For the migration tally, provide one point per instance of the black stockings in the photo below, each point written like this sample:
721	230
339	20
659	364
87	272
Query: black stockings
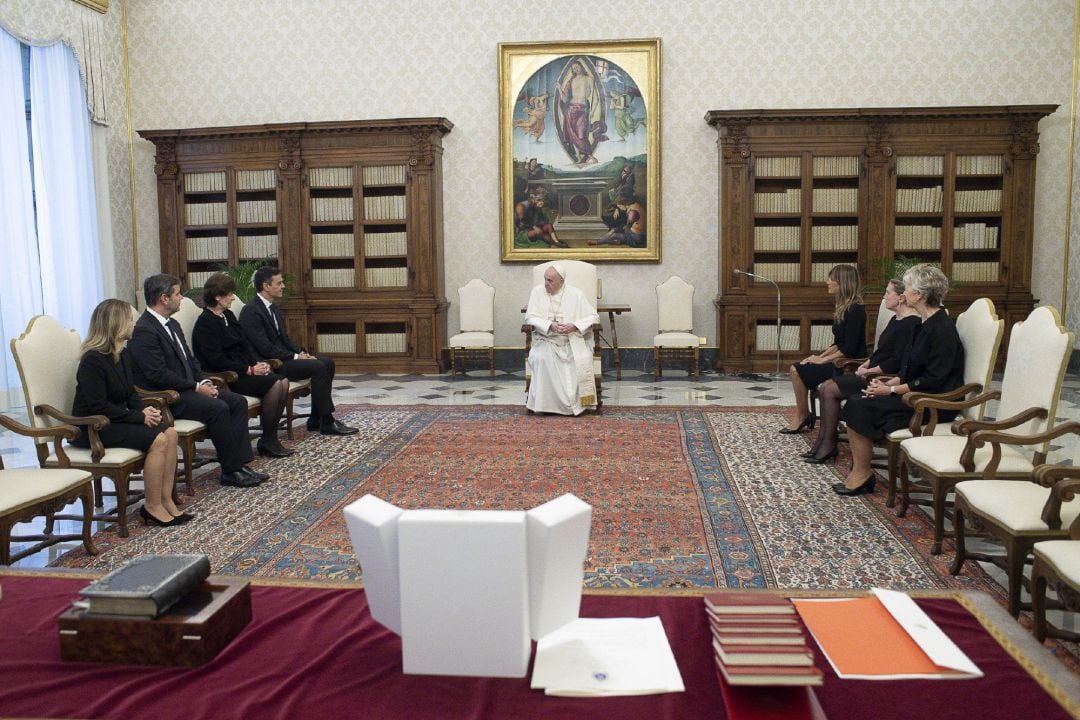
273	405
829	399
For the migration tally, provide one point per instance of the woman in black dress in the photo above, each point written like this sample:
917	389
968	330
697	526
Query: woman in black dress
893	344
220	344
105	387
849	340
935	364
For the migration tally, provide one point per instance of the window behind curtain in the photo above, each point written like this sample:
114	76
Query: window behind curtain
49	237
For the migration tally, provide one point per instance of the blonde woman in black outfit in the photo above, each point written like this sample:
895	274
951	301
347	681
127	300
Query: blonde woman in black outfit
894	343
935	364
849	340
105	387
220	344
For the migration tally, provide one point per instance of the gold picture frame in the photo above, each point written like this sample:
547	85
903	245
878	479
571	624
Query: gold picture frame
102	6
579	150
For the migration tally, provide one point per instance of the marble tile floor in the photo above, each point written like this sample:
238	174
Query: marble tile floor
636	388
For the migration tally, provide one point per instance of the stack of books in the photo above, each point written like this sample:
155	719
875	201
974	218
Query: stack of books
758	640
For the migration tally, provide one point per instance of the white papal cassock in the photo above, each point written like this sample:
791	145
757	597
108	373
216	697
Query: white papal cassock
561	365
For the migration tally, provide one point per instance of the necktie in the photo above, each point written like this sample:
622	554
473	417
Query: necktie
183	353
273	316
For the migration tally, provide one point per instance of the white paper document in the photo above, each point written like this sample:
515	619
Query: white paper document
606	656
942	651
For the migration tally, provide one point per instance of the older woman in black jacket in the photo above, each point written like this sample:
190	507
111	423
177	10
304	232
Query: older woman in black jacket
935	364
220	344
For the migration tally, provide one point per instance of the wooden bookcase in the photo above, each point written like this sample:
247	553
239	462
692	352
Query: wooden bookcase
804	190
352	211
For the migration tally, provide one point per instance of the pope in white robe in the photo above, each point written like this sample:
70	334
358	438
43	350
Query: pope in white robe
560	361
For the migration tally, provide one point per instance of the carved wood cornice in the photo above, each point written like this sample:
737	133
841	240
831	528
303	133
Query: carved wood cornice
432	127
724	118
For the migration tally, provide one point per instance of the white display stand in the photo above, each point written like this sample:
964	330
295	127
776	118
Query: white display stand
467	589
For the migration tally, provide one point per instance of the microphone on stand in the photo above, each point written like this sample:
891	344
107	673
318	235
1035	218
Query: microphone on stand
769	280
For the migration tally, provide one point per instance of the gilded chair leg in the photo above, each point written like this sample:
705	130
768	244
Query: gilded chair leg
87	498
453	364
958	534
658	365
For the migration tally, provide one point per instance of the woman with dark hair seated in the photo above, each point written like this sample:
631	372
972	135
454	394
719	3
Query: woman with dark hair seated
935	364
893	344
849	340
220	344
105	387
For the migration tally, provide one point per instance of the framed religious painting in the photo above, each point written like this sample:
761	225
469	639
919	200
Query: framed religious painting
579	150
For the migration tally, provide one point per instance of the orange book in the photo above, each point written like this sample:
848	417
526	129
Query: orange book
862	639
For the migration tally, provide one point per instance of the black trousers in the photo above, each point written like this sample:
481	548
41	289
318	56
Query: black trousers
321	371
226	423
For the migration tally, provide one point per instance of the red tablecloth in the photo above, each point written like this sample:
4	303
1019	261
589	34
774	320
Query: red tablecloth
316	653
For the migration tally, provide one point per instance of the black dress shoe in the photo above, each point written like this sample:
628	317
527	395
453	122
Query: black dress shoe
275	450
238	479
149	519
259	476
807	422
812	460
866	488
184	517
336	428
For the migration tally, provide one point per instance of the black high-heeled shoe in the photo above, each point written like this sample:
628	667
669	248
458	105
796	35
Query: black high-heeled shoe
865	488
184	517
812	460
276	450
149	519
807	422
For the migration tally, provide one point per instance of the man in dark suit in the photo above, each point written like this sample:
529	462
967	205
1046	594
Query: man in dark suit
264	326
163	361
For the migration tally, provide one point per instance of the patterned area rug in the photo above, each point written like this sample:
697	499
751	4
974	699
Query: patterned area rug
682	497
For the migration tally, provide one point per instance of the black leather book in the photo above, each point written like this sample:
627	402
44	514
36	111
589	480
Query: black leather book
147	585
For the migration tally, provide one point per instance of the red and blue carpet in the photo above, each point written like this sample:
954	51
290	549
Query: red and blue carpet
682	497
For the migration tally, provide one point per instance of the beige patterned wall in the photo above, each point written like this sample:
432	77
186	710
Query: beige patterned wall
42	21
222	62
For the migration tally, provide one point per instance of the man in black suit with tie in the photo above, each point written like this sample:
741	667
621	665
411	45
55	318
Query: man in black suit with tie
264	326
163	361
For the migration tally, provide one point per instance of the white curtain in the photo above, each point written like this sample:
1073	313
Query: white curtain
20	287
64	180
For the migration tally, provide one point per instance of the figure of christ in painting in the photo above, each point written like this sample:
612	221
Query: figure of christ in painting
583	114
535	110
